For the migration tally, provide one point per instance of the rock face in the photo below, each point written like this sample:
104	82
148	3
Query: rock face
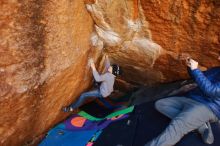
45	47
149	38
124	32
184	27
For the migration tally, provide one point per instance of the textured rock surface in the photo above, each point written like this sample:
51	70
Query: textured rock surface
179	27
123	29
184	27
45	46
44	49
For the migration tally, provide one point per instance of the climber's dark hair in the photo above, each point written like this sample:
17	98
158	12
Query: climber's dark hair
116	70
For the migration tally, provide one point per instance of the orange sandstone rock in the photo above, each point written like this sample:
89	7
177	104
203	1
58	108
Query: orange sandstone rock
45	47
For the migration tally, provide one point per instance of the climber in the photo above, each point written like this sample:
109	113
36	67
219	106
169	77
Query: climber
192	111
106	84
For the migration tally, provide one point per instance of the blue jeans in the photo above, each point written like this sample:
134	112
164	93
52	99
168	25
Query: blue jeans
186	114
87	95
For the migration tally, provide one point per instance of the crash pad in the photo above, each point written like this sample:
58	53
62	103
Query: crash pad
143	125
81	129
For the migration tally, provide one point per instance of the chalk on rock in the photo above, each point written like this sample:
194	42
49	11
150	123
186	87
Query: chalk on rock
90	61
110	37
89	7
96	41
134	25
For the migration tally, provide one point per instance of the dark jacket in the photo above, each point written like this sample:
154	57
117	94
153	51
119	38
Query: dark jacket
208	90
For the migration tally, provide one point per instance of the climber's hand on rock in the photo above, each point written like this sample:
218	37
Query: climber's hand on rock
106	56
92	65
90	61
192	64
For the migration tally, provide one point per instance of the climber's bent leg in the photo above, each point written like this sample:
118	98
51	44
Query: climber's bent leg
85	96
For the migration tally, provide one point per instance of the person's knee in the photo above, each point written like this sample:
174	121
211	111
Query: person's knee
158	104
194	114
198	109
83	96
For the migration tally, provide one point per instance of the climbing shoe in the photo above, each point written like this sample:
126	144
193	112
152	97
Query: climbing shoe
67	109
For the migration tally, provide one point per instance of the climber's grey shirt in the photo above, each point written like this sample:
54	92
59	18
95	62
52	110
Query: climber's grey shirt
107	84
107	80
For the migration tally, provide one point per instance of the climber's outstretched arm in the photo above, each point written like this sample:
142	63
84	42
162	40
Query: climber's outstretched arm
107	63
97	76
